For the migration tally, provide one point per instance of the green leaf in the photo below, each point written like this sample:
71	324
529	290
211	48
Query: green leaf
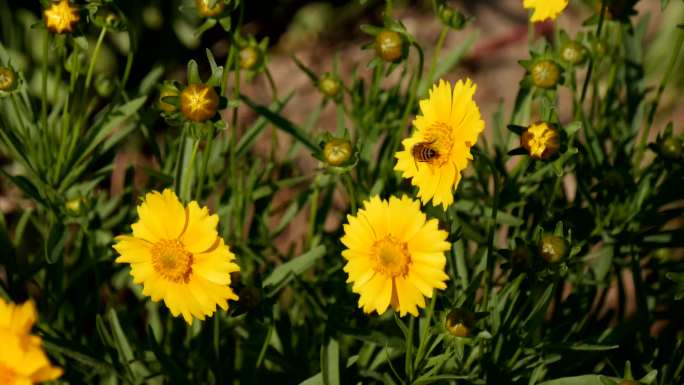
54	244
316	379
330	362
281	123
589	379
252	133
446	64
123	347
285	272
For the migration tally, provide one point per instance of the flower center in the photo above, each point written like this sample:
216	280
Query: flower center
441	137
172	261
391	257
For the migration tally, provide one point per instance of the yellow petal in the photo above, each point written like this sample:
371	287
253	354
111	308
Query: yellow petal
200	233
162	214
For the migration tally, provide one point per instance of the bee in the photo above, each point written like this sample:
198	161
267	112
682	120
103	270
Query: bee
424	152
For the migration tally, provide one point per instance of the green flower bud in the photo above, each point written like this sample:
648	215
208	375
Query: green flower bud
167	89
206	10
545	74
337	152
573	53
450	17
459	322
74	206
104	85
390	46
671	148
553	248
8	79
329	85
250	57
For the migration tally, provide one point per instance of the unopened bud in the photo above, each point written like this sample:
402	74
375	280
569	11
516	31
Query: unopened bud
337	151
553	248
459	322
540	140
390	46
205	9
545	74
199	102
8	79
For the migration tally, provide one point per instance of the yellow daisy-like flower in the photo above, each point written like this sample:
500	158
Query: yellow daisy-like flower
394	256
439	148
22	360
545	9
61	17
540	140
177	255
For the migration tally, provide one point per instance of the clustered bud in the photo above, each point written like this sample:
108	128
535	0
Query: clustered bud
553	248
61	17
540	140
572	52
250	57
459	322
545	74
389	46
199	102
337	151
8	79
205	9
167	90
329	85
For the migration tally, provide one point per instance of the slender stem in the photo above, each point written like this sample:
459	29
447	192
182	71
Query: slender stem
127	70
43	96
591	61
346	179
312	214
20	117
188	174
93	59
272	84
654	107
489	262
438	50
409	350
203	171
179	161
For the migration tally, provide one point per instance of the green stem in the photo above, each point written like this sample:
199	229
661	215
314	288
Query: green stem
93	59
591	61
20	117
188	174
438	50
127	70
203	171
409	350
272	84
346	179
43	96
312	214
489	261
654	107
179	161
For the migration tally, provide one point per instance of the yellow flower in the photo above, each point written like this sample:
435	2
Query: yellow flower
177	255
394	256
22	360
199	102
439	148
61	17
545	9
540	140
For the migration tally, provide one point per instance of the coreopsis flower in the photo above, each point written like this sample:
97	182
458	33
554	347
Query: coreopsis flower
22	359
439	148
176	254
545	9
199	102
61	17
394	255
540	140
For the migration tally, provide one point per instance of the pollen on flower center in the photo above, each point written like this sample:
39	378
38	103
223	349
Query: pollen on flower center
441	137
391	257
172	261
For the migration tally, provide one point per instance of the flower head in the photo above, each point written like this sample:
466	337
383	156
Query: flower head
394	256
439	148
545	9
22	359
177	255
61	17
205	9
540	140
199	102
390	46
8	79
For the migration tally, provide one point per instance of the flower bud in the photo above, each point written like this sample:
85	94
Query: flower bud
329	85
8	79
540	140
61	17
390	46
104	85
167	89
73	206
572	52
337	152
450	17
250	57
206	10
545	74
671	147
553	248
459	322
199	102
